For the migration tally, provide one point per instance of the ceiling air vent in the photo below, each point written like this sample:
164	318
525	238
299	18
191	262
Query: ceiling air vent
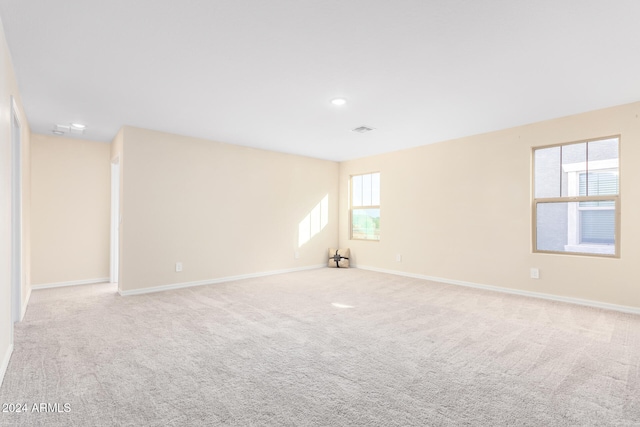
73	128
362	129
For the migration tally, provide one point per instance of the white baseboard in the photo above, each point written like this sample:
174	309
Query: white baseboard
5	363
26	303
214	281
579	301
73	283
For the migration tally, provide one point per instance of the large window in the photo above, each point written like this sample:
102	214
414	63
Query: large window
365	206
576	206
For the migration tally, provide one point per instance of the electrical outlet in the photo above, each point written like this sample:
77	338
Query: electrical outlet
535	273
178	266
398	258
296	254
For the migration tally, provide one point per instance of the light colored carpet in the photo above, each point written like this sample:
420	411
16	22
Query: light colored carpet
276	351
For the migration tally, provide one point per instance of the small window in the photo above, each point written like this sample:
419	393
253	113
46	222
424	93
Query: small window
577	198
365	206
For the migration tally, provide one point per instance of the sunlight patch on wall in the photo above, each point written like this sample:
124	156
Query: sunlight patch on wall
314	222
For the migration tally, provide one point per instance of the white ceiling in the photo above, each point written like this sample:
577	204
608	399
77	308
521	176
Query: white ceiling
262	73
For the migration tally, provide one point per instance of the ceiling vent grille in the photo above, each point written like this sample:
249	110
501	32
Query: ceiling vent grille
363	129
70	129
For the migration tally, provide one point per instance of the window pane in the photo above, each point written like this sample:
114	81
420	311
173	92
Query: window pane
599	204
375	189
602	167
366	224
605	149
356	182
602	183
366	190
563	227
574	158
598	226
547	172
551	227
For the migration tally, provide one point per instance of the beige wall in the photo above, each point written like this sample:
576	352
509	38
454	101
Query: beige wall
461	210
71	218
8	89
220	209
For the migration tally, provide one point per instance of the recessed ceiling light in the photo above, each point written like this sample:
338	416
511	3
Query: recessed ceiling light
338	101
78	125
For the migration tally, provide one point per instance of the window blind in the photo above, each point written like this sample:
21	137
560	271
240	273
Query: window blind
598	226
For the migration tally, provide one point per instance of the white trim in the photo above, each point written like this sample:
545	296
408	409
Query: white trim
571	300
72	283
5	363
215	281
24	306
